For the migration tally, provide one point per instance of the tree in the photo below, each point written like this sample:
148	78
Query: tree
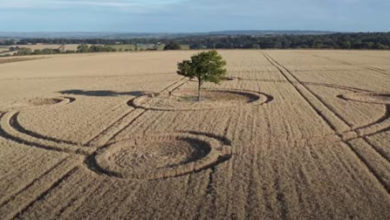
82	48
205	67
346	44
24	51
381	46
172	46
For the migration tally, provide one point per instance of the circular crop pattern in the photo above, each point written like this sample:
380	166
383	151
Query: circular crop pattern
152	157
186	100
368	97
36	102
44	101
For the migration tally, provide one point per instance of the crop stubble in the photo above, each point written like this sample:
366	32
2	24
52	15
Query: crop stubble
316	149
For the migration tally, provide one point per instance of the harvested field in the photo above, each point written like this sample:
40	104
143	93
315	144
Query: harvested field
292	134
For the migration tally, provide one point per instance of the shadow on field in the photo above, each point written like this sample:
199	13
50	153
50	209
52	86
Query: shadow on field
101	93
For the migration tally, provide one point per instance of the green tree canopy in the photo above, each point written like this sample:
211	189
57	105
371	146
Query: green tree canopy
82	48
205	67
172	46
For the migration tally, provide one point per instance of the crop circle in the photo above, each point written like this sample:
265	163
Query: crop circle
44	101
186	100
367	97
161	156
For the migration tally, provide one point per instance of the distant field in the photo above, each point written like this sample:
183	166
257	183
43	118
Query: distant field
73	47
4	50
292	134
49	46
122	46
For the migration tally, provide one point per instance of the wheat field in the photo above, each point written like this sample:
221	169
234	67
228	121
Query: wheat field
291	134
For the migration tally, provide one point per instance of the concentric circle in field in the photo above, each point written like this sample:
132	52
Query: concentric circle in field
186	100
368	97
44	101
40	101
151	157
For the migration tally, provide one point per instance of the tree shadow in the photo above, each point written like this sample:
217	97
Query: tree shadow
101	93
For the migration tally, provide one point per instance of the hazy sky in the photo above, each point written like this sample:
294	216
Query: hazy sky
193	15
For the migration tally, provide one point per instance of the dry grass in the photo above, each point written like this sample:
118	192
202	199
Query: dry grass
292	135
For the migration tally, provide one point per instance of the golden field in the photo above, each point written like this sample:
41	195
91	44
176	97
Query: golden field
292	134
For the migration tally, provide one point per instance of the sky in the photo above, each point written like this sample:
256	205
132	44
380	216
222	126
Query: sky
155	16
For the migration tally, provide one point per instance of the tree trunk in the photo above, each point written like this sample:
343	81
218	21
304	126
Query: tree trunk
199	85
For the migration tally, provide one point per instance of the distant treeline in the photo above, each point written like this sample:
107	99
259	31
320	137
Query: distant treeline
27	51
332	41
329	41
83	48
23	50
